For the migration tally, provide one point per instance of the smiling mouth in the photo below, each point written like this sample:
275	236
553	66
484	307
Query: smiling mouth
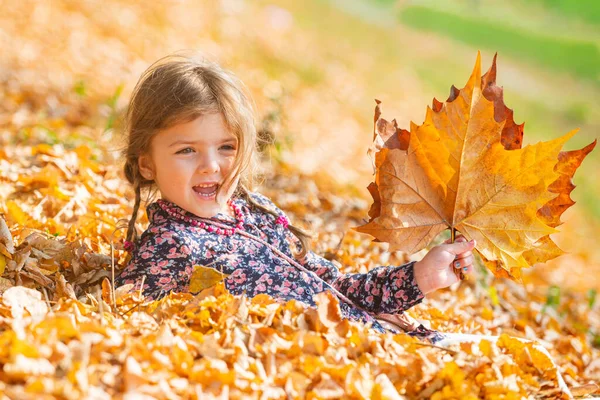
206	191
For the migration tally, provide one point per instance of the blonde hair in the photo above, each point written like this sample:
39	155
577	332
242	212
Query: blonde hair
179	88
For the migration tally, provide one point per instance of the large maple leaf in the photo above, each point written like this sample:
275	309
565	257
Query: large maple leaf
465	169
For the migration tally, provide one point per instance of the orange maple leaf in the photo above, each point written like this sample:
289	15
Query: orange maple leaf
465	169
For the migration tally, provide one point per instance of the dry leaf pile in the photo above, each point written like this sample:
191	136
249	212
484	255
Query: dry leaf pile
65	335
216	344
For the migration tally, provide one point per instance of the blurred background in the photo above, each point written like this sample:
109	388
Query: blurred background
314	68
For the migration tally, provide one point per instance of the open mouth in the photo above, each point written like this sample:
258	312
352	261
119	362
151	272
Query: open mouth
206	191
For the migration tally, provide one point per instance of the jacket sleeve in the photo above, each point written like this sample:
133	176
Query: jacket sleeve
162	261
381	290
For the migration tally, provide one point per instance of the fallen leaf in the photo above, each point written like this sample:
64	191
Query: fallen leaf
204	278
584	390
527	355
2	263
107	292
20	298
328	309
63	288
5	236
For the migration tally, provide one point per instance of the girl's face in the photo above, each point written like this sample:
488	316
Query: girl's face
189	162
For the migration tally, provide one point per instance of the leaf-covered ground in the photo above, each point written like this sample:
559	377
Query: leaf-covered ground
63	334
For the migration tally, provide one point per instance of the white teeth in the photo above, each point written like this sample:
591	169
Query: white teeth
198	190
207	195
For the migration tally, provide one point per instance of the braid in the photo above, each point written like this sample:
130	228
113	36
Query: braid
132	173
302	236
132	235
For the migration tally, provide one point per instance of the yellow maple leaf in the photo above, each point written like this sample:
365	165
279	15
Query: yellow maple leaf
204	278
464	169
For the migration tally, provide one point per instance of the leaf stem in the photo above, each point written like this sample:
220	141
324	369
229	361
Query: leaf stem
458	272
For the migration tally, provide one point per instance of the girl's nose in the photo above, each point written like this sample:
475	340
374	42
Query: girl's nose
208	164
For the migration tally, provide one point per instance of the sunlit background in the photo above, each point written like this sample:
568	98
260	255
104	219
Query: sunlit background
314	68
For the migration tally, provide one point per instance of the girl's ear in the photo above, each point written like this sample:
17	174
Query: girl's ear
146	166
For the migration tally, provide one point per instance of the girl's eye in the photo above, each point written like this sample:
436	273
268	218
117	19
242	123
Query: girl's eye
184	150
228	147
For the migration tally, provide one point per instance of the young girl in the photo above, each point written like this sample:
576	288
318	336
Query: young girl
191	135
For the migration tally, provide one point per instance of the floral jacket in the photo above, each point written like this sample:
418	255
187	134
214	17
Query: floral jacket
169	248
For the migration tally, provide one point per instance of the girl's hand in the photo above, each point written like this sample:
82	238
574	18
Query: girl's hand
436	269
